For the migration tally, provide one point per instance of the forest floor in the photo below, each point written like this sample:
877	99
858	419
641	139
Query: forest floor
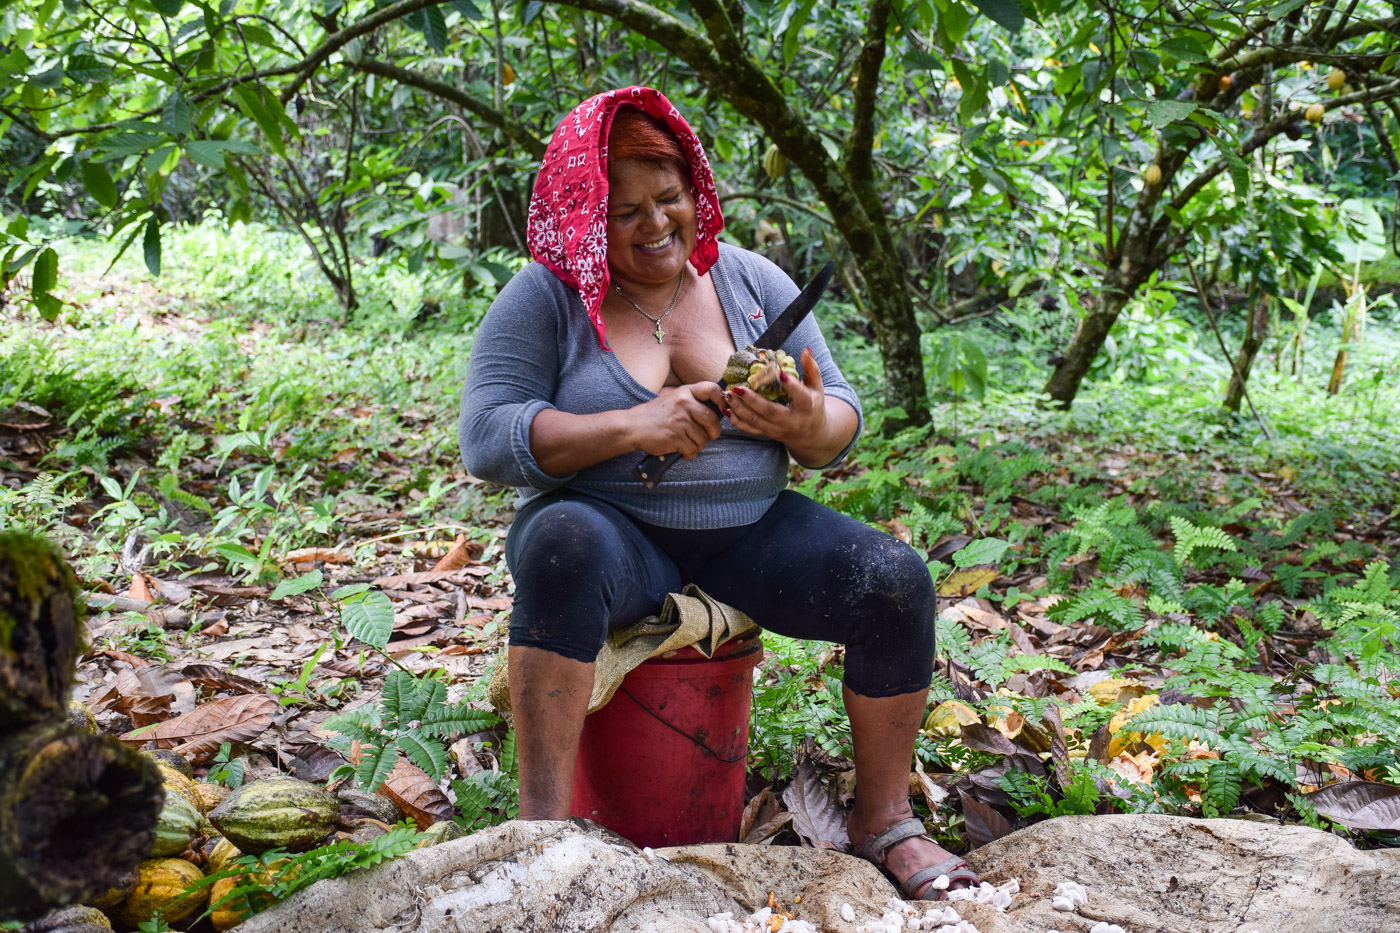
244	480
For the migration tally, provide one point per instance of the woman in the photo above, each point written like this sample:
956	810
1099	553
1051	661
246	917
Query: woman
608	346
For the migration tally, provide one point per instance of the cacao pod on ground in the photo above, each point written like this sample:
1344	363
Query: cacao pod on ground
276	812
163	888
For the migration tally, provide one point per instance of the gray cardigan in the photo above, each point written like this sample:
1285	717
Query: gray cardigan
537	349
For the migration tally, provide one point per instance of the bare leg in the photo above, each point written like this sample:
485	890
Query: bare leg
549	698
883	730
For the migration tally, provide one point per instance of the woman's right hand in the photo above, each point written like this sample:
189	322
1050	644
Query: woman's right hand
677	420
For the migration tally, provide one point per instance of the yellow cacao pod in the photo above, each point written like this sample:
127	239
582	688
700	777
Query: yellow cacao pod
211	795
220	854
1315	113
1152	175
774	163
507	74
227	912
177	783
164	888
1336	79
276	812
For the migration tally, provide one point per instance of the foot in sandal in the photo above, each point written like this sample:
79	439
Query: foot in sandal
910	858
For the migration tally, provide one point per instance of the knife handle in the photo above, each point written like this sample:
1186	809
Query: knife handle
654	466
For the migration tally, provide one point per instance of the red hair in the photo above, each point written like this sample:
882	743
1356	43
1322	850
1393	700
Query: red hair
639	135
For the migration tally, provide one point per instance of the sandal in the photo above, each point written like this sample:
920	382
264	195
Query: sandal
875	850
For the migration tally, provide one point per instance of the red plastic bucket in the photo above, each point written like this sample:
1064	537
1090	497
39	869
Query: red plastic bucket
663	764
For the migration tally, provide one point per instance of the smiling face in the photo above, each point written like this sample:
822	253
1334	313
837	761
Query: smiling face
651	223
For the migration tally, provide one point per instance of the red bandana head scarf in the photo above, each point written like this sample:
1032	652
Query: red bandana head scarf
568	224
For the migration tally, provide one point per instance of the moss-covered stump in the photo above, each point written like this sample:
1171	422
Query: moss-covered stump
77	812
39	631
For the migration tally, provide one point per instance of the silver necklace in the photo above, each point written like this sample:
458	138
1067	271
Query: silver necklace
659	334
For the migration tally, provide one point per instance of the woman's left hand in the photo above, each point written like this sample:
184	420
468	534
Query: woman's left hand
804	420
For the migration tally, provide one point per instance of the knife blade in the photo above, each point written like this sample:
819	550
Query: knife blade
654	466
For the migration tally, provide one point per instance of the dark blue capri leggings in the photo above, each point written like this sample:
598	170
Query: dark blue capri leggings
582	568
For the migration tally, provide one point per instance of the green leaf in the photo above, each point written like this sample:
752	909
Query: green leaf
435	29
981	551
307	581
353	589
369	618
48	306
99	183
150	244
175	115
467	9
236	553
793	35
1164	112
1184	48
955	21
258	108
206	152
45	272
168	7
1006	13
87	69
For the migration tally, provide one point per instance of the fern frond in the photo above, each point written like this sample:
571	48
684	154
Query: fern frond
376	763
458	719
1222	788
1102	606
1189	537
1181	722
430	756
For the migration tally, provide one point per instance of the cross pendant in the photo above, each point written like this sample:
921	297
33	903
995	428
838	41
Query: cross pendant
658	333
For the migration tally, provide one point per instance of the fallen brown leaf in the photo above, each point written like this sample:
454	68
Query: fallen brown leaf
197	735
459	556
319	555
982	823
817	817
417	795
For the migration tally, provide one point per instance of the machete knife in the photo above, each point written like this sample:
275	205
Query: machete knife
654	466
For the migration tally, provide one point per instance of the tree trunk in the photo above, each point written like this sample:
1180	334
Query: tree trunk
1084	346
1255	332
77	812
897	333
39	631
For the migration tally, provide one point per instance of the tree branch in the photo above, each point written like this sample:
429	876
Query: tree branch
24	124
338	40
513	128
1274	127
777	199
1272	55
859	166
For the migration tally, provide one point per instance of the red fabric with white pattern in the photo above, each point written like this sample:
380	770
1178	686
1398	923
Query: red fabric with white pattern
568	223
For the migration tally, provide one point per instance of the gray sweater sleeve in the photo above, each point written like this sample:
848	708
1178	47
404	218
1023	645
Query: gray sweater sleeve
512	373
